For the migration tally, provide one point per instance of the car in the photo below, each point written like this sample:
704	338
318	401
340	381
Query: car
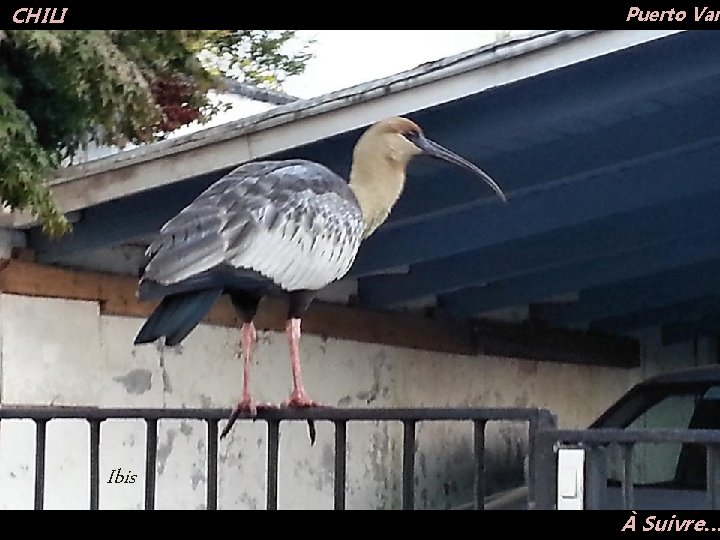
665	475
670	475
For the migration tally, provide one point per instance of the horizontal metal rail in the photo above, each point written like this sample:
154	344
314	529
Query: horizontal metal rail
613	435
273	417
271	413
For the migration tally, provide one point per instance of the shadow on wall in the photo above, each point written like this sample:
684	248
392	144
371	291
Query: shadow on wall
445	462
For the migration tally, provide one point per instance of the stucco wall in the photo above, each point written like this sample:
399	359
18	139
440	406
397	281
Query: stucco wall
65	352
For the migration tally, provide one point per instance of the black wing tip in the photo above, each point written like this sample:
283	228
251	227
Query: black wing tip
171	341
151	330
144	337
176	316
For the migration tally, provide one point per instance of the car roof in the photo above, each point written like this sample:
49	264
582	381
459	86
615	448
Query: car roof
702	374
675	380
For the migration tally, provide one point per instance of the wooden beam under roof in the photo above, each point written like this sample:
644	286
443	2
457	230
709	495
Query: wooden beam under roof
116	296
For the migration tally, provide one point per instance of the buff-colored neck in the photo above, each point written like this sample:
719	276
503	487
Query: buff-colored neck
377	178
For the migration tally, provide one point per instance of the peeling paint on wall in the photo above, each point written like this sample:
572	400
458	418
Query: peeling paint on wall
136	381
165	449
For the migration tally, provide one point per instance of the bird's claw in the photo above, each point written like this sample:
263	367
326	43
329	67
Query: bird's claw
300	400
245	405
248	405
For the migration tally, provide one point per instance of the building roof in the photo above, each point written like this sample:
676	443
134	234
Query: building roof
318	118
257	93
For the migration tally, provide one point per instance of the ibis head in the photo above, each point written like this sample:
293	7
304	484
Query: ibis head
379	166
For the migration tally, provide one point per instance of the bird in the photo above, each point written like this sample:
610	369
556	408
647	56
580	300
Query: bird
288	227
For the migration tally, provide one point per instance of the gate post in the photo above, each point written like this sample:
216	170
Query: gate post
543	463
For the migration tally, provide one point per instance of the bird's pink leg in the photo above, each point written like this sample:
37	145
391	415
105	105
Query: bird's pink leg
298	397
246	403
249	338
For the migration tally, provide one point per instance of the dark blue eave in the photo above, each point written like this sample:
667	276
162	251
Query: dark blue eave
608	162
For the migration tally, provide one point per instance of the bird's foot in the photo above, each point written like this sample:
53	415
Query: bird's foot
300	400
245	405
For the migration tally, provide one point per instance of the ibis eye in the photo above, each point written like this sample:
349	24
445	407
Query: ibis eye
411	136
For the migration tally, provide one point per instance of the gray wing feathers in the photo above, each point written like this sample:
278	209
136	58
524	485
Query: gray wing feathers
308	247
296	223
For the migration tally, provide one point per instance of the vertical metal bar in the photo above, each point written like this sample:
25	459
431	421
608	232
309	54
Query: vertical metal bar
273	445
150	462
545	470
712	452
408	472
628	493
595	477
212	465
533	425
94	464
40	433
340	463
479	437
541	420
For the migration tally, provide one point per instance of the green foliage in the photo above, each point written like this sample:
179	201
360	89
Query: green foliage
60	90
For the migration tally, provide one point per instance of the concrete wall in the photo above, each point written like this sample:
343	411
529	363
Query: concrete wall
64	352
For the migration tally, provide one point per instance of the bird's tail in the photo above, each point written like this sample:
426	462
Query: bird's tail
177	315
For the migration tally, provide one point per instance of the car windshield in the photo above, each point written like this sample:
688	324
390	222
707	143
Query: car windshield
672	465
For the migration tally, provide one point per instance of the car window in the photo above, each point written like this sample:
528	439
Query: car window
657	464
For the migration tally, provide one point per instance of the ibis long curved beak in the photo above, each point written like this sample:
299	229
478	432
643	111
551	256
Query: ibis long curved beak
433	149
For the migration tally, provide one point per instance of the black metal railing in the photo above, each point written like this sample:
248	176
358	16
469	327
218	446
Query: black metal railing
536	419
596	441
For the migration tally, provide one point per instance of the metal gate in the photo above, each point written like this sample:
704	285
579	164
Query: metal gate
535	419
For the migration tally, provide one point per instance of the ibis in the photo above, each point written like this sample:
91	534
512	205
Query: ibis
288	227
